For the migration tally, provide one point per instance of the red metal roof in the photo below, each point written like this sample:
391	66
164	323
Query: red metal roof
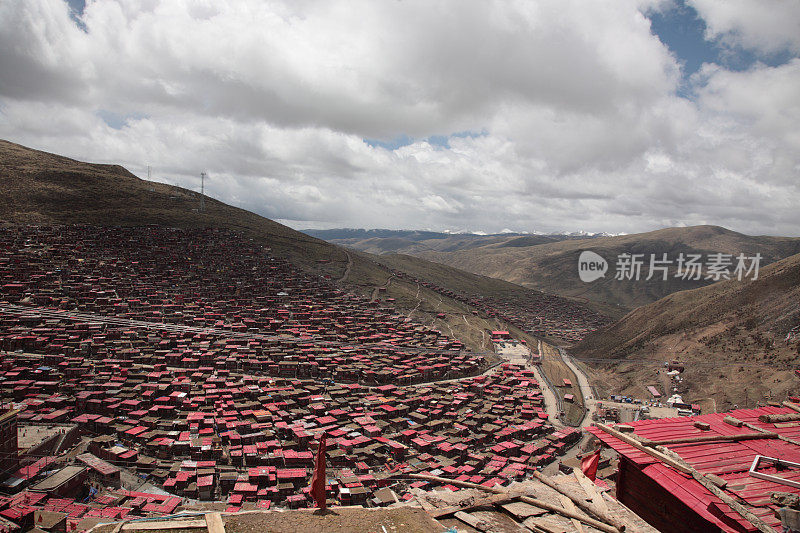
728	460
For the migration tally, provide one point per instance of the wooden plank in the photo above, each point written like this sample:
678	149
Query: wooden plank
569	506
792	406
627	439
214	523
522	510
472	521
712	438
544	524
732	421
787	417
602	526
579	501
591	490
597	499
119	526
762	430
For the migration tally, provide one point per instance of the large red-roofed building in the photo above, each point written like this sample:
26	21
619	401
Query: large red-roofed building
673	501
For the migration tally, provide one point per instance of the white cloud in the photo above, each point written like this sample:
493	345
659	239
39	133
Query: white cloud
767	27
575	102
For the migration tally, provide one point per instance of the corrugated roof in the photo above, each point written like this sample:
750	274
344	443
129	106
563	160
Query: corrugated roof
98	464
728	460
59	478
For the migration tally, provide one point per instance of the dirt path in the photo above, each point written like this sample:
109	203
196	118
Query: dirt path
590	406
481	330
347	268
550	400
550	395
419	302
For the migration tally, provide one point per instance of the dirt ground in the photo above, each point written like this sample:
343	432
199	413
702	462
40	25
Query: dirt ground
722	370
514	352
30	436
336	520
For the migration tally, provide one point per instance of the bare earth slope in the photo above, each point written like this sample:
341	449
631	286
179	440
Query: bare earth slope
732	334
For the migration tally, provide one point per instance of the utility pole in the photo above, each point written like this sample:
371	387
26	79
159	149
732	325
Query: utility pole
202	192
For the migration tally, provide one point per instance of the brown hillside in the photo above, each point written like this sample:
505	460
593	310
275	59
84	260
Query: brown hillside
43	188
732	334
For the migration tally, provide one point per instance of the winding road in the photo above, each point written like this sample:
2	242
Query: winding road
589	401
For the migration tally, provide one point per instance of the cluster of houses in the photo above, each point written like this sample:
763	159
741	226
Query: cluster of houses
251	440
537	313
207	299
197	363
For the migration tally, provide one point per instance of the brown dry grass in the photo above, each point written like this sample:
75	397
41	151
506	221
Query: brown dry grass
43	188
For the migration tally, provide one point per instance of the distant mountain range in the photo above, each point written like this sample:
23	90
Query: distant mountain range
424	235
550	262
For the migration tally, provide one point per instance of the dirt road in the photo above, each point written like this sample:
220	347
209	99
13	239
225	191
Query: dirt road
589	401
590	405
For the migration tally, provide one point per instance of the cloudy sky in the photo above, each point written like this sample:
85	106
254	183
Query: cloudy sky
617	116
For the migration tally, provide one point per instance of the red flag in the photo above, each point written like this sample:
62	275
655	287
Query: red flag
589	465
318	480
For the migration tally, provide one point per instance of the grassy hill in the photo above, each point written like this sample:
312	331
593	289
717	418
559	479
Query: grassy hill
541	263
732	334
